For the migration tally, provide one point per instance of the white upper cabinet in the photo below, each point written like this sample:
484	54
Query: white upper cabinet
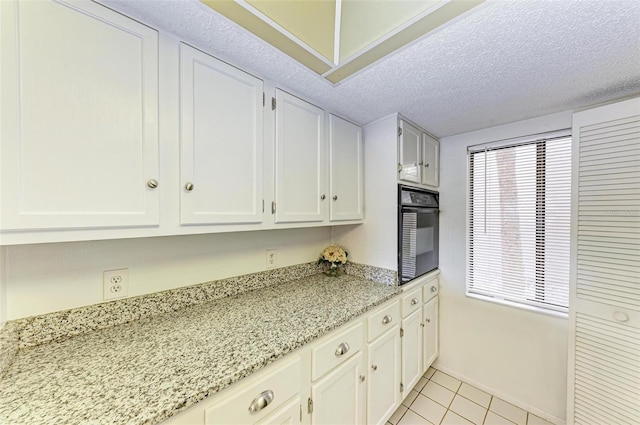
430	160
221	141
346	170
301	170
79	117
409	145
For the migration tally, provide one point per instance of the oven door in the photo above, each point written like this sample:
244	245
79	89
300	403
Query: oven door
417	242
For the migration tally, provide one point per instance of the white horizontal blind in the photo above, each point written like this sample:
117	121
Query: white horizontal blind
519	222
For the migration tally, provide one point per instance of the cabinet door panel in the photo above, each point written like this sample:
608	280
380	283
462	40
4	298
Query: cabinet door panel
409	152
221	141
339	398
79	117
383	388
300	160
430	160
430	320
346	178
411	350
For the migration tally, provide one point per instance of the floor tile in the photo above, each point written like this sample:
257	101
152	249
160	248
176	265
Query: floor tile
420	384
409	398
535	420
446	381
437	392
452	418
468	410
475	395
493	419
397	415
429	373
412	418
428	409
508	411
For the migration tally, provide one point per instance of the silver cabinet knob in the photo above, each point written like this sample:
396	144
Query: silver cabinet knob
322	197
361	378
434	289
426	165
387	319
374	367
421	163
342	349
261	401
188	187
335	197
414	301
428	320
152	183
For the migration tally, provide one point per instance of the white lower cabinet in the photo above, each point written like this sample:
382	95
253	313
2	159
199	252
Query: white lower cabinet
339	397
411	350
383	387
430	332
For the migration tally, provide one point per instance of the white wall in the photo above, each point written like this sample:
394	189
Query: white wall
375	242
49	277
518	354
3	286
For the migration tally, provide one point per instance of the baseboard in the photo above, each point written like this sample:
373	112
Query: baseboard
506	397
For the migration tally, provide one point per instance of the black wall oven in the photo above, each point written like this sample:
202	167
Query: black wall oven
418	239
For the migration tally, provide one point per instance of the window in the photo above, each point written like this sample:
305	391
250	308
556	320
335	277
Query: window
519	221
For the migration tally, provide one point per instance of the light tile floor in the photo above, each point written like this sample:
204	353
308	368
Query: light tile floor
440	399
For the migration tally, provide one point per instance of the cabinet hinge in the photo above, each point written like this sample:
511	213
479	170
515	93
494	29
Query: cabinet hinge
401	387
273	207
301	413
310	405
273	103
401	332
399	131
263	205
399	167
263	99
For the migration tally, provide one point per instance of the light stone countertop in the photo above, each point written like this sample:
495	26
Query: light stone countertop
150	369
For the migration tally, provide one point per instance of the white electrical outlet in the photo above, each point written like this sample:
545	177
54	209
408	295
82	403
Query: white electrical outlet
272	258
115	283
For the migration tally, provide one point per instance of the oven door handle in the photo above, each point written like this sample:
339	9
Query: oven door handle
420	210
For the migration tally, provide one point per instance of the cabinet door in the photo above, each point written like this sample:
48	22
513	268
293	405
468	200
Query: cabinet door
346	172
383	387
430	160
339	397
300	160
220	141
411	350
430	320
79	117
409	144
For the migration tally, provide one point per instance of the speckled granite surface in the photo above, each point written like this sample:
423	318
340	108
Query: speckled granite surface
147	370
64	324
8	345
377	274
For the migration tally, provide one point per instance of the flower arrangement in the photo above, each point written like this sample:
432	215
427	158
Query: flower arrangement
334	257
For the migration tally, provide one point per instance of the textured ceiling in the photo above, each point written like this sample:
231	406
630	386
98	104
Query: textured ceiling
501	62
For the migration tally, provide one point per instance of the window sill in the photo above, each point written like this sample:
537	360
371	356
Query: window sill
534	309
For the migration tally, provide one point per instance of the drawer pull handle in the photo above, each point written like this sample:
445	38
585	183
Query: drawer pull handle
621	316
342	349
262	401
152	183
387	319
374	367
414	301
434	289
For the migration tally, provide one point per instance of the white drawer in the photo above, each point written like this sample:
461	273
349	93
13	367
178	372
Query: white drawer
383	319
430	289
411	301
277	385
334	350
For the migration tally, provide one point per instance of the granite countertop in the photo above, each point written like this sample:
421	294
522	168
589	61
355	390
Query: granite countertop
150	369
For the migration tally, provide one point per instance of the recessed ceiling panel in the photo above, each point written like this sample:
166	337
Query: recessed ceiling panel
364	22
312	21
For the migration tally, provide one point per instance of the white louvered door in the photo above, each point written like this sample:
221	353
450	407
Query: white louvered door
604	334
